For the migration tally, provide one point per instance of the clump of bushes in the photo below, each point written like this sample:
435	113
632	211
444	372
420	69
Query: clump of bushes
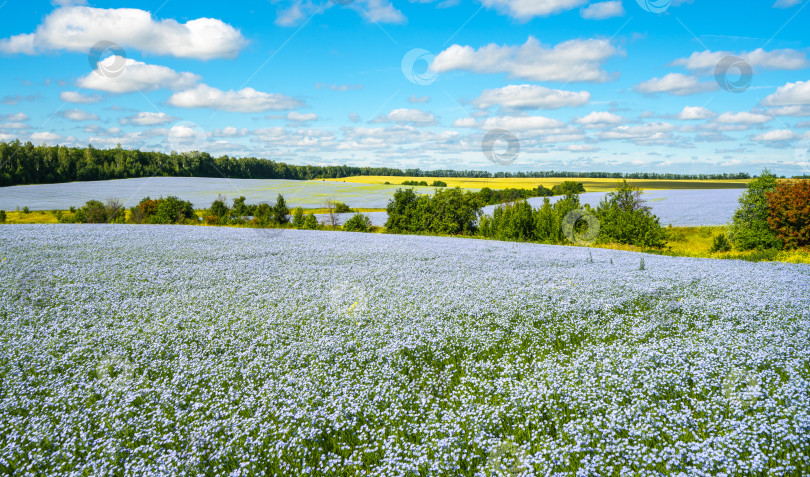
169	210
720	244
2	216
97	212
749	227
789	213
625	218
357	223
448	211
438	184
415	183
568	188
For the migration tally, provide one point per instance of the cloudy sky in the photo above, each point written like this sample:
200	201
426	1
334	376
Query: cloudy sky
633	85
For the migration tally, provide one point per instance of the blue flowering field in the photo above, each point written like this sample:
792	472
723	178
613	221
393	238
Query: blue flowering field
172	350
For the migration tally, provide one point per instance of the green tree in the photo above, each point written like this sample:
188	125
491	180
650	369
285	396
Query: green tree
625	218
298	217
357	223
749	227
280	211
2	216
310	223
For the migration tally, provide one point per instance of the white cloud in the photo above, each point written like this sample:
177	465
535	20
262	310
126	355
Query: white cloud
375	11
77	97
526	96
521	123
148	119
408	116
229	131
46	137
14	117
573	60
743	118
796	110
301	117
776	135
136	76
674	83
76	28
790	94
786	3
14	125
246	100
785	59
695	112
527	9
581	148
654	133
464	123
78	115
600	118
603	10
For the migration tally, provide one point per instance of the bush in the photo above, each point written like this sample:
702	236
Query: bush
92	212
438	184
624	218
298	217
341	208
310	223
789	213
170	210
749	227
720	244
448	211
357	223
2	216
26	210
568	188
415	183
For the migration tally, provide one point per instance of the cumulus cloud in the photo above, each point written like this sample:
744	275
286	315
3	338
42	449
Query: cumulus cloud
522	123
527	9
136	76
581	148
526	96
246	100
695	112
408	116
603	10
375	11
464	123
797	93
78	115
675	83
18	117
652	133
776	135
573	60
301	117
600	118
148	119
78	28
229	131
77	97
785	59
743	118
46	136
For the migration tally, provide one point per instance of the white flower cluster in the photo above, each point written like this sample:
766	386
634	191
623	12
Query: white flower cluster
171	350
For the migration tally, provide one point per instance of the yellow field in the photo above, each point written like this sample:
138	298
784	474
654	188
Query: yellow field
591	185
33	217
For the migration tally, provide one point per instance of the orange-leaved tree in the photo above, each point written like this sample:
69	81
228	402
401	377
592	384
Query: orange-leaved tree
789	214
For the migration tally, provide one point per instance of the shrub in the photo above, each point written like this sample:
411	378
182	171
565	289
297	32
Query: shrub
438	184
789	213
720	244
568	188
749	227
341	208
26	210
2	216
298	217
357	223
92	212
448	211
310	222
625	218
280	210
170	210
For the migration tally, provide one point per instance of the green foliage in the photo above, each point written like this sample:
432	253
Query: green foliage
2	216
568	188
26	210
720	244
280	211
415	183
96	212
357	223
518	221
438	184
749	227
298	217
310	223
341	208
448	211
624	218
170	210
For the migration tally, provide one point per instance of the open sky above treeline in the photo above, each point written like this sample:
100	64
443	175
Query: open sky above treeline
636	85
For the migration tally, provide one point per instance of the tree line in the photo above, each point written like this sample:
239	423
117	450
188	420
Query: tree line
28	164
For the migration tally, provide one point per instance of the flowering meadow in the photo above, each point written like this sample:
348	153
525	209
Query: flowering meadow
173	350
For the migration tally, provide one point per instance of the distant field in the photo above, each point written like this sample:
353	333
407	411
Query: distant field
591	185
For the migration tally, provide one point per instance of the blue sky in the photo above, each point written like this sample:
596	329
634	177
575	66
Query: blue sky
578	85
